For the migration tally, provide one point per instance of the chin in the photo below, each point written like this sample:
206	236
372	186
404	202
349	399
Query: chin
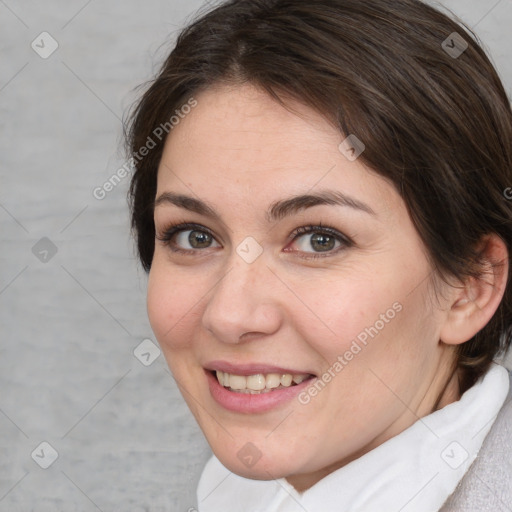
261	470
249	462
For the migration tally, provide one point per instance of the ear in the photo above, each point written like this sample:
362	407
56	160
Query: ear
472	305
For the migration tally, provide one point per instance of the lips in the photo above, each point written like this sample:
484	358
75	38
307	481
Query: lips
252	368
254	387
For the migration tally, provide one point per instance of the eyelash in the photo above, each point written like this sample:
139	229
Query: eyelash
167	235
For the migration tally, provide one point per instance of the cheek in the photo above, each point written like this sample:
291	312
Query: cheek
343	310
368	316
173	300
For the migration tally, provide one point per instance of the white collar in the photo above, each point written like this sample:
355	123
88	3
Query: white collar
414	471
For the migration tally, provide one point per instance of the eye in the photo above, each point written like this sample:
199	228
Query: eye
319	242
318	239
187	237
194	238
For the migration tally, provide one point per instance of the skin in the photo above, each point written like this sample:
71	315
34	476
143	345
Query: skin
239	151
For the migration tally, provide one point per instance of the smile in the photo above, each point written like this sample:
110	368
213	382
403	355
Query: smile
259	383
254	388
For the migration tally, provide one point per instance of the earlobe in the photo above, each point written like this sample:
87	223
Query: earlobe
474	304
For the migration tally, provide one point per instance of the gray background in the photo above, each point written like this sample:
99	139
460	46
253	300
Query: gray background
69	325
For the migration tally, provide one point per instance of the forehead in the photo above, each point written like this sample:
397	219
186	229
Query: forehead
239	139
245	122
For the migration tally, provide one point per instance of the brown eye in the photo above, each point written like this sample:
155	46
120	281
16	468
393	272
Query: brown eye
317	241
187	238
193	239
199	239
321	242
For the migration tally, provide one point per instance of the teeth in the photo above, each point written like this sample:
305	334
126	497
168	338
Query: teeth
237	382
286	380
256	382
273	380
299	378
259	383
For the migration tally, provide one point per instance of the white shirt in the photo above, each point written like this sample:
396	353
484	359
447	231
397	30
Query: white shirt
414	471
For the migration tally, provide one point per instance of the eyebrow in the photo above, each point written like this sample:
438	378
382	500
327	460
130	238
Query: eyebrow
186	202
277	211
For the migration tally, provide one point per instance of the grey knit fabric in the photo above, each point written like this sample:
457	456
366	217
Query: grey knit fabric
487	486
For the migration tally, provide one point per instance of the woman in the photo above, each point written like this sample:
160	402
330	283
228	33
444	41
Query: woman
318	200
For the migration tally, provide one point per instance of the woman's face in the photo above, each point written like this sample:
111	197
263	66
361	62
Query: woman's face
295	261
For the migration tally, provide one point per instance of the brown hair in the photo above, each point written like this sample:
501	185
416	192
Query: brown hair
436	124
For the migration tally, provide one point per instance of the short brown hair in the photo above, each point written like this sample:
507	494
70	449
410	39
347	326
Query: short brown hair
438	125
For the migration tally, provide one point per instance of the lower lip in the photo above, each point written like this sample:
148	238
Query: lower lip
248	403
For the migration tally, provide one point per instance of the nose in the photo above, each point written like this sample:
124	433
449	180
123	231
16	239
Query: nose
244	302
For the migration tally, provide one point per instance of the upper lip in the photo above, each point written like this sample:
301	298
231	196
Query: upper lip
251	368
